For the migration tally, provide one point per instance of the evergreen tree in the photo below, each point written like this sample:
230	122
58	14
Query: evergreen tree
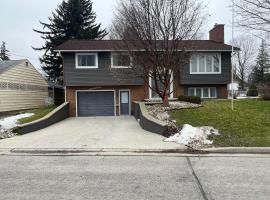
3	52
258	75
73	19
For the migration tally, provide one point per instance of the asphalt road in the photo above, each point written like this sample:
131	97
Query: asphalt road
128	178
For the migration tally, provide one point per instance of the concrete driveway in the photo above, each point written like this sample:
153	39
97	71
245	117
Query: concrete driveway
91	133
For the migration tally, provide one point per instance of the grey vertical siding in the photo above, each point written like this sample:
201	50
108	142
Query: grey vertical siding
224	78
103	76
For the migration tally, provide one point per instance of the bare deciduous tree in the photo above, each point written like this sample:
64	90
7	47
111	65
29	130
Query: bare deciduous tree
154	33
254	15
244	58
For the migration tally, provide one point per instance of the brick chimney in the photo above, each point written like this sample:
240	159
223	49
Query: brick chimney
217	33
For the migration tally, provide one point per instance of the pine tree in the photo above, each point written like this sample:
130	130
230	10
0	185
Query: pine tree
258	75
73	19
3	52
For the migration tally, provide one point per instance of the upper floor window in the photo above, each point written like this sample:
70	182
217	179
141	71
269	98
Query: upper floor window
205	63
120	60
86	60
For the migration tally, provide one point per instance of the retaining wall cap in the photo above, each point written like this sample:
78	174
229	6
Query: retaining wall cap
45	117
148	116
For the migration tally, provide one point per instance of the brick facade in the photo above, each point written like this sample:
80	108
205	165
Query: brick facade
137	93
223	92
217	33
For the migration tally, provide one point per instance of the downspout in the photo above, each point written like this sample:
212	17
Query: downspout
65	88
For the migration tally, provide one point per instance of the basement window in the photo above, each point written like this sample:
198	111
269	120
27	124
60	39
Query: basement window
203	92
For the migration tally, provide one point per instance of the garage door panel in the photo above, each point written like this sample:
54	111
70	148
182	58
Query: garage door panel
95	103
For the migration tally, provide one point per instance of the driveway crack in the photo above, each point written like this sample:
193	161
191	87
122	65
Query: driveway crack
197	179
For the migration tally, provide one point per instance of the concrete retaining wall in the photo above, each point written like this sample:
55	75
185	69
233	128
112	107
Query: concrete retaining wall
57	115
148	122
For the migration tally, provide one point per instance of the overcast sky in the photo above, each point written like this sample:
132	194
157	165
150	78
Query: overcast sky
19	17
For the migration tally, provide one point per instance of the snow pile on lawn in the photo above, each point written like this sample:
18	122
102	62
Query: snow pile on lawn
6	124
193	137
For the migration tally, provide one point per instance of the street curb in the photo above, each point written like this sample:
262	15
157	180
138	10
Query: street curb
101	150
77	151
238	150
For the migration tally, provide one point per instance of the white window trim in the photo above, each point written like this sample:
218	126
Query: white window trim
151	91
198	65
116	54
86	67
209	92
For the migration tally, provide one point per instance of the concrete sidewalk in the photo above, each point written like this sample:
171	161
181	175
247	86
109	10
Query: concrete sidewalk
91	133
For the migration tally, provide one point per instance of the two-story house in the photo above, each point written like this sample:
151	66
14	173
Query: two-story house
93	89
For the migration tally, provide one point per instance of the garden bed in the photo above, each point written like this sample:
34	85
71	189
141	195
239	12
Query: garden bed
160	112
192	137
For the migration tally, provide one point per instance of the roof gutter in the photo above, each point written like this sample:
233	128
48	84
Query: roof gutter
106	50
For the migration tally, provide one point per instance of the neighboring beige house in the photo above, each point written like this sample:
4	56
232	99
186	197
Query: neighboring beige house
21	86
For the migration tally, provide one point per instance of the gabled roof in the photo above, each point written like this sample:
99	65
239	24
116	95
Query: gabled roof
8	64
119	45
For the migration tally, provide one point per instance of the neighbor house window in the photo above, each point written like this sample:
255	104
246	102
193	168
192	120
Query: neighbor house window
153	94
204	92
120	60
86	60
205	63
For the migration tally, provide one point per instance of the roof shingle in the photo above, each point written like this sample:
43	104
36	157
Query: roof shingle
111	45
7	64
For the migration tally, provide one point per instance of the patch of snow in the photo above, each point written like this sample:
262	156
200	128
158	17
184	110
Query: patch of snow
246	97
193	137
11	122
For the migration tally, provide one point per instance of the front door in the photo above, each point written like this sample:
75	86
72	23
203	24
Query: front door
124	103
